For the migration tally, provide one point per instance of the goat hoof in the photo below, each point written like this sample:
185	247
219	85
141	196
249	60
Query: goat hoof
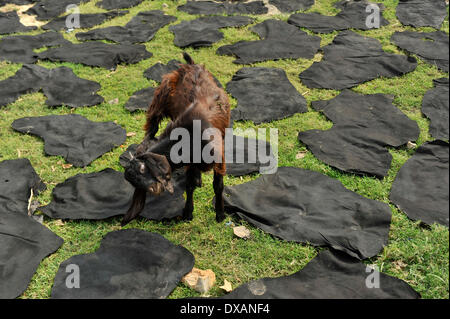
220	218
187	216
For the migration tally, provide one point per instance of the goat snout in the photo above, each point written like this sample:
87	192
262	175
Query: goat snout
155	189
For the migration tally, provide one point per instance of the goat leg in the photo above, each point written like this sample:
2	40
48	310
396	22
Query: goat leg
153	127
198	178
218	191
190	188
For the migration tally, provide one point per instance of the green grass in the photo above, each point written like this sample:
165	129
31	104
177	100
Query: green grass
417	254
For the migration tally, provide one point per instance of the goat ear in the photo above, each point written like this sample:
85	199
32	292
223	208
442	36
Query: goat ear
163	163
137	205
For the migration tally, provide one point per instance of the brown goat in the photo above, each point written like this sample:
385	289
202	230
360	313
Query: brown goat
188	96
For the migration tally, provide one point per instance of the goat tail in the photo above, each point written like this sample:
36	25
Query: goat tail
188	58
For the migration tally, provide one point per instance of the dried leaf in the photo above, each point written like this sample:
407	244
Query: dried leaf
25	19
241	232
226	286
66	166
129	134
301	154
399	265
29	202
114	101
411	145
30	21
111	74
59	222
200	280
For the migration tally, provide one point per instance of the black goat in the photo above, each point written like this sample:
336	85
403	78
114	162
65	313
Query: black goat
190	96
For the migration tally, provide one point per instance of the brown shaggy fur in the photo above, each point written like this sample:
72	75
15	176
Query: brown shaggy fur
178	90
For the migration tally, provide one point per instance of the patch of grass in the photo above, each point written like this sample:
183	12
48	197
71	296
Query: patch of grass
416	254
